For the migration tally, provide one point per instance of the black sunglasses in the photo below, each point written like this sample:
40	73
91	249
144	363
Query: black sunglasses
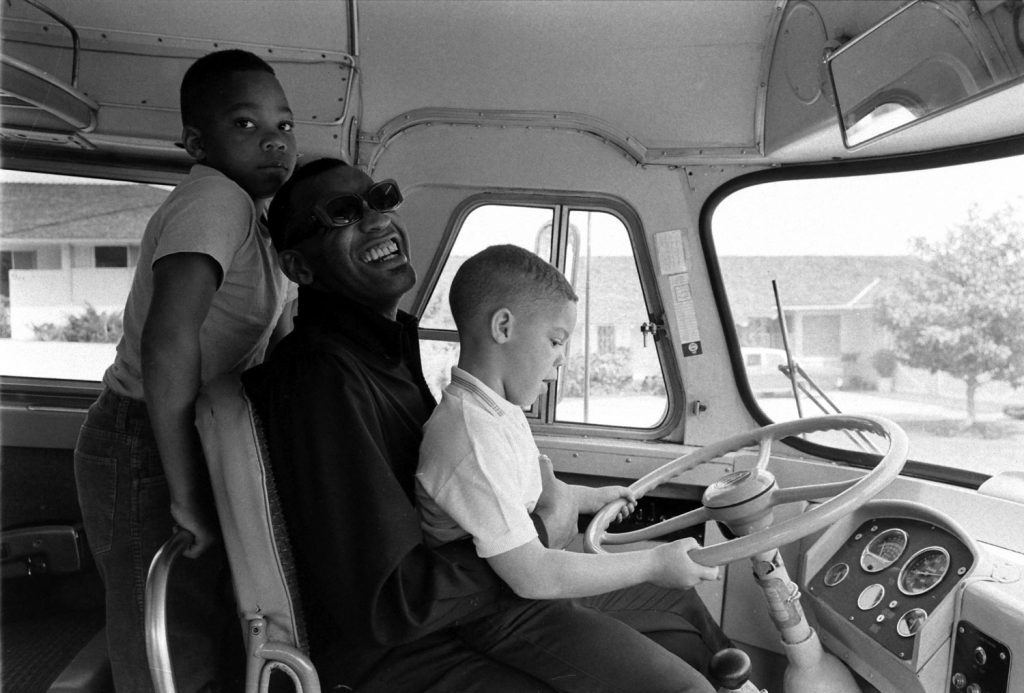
347	209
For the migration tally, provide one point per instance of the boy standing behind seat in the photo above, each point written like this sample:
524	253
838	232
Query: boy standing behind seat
479	475
205	298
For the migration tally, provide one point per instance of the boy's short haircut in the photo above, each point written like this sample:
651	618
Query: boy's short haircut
504	276
203	77
281	216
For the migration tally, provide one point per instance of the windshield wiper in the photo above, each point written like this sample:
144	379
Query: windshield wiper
794	373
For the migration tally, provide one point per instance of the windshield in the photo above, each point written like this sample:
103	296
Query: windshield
902	295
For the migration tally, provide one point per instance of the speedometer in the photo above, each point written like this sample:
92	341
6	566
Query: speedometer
884	550
923	571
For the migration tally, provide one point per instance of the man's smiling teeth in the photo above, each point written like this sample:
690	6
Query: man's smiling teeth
380	252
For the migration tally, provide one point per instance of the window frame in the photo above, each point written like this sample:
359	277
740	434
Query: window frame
562	204
935	159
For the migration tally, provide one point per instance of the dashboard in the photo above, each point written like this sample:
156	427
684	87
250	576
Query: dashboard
890	575
912	604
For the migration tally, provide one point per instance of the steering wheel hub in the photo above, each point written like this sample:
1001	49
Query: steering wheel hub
738	488
742	501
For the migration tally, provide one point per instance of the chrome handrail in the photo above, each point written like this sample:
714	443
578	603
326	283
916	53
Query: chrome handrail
157	649
263	656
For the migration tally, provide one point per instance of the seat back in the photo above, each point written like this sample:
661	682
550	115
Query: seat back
254	532
257	546
255	535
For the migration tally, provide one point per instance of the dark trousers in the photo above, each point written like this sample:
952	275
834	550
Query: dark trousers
639	639
126	512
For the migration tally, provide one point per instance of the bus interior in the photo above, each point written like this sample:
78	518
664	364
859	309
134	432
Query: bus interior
773	211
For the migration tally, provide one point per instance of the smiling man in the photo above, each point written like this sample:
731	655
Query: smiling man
343	402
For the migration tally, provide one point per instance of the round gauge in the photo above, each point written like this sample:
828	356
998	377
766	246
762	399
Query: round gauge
870	597
923	571
884	550
911	622
836	574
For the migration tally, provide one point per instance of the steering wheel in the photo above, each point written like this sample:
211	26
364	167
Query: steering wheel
744	500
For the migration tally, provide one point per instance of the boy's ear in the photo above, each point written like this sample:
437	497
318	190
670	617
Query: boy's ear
502	324
192	141
295	266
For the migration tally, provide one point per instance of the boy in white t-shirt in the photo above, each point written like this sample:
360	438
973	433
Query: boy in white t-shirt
205	299
479	475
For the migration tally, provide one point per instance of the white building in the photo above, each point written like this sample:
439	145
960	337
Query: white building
64	247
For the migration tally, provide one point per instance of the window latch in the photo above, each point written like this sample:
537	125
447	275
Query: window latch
655	328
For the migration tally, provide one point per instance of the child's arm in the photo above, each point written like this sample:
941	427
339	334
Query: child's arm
534	572
590	499
561	504
183	289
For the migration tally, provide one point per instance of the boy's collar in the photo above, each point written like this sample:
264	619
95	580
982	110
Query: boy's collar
466	381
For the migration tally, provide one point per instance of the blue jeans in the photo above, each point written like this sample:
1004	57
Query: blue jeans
126	512
643	638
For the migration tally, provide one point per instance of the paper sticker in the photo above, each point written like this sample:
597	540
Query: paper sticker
686	314
671	254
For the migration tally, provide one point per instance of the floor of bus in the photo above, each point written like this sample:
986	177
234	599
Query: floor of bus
46	625
46	622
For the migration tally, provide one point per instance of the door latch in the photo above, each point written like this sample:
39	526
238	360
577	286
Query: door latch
655	328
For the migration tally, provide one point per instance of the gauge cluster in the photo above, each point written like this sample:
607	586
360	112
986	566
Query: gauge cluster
888	577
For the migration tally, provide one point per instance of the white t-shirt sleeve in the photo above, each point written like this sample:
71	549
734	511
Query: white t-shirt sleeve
482	495
212	216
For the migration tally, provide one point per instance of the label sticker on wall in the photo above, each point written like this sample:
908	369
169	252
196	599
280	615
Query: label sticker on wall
668	245
686	314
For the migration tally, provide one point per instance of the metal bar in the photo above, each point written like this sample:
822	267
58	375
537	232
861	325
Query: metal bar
75	43
825	397
829	57
157	649
825	410
785	345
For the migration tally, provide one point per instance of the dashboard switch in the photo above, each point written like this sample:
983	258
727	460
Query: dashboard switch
982	663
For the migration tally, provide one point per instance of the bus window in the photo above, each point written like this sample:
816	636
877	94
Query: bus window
611	377
70	246
902	295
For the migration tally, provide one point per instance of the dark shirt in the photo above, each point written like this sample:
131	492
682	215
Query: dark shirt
343	401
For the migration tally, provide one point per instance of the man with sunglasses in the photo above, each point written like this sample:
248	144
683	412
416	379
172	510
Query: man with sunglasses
343	400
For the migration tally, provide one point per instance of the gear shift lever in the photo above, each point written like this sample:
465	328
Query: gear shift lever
730	671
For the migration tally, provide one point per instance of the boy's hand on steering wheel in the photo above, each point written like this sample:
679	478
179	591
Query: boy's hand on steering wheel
593	499
677	569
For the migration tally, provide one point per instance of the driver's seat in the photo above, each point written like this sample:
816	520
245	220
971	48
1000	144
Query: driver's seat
257	545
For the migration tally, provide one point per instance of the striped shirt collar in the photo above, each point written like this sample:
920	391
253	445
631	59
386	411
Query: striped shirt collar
491	400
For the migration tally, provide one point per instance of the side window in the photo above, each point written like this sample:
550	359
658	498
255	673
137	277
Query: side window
70	246
111	256
901	295
612	376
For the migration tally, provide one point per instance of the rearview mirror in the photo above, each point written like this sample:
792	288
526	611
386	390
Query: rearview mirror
925	58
